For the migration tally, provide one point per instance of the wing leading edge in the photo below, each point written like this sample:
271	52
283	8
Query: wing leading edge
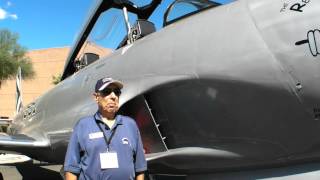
191	160
17	141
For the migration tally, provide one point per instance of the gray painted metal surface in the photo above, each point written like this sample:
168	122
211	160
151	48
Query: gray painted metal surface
232	87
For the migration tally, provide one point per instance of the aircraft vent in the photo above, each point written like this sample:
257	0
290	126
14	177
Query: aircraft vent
153	139
316	112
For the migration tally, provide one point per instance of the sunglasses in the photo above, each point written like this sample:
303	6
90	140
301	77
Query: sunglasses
108	91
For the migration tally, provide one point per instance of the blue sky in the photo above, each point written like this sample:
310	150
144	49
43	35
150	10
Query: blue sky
45	23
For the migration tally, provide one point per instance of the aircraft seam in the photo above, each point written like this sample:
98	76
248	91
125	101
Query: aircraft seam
290	79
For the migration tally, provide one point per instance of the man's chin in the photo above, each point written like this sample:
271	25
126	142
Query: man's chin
112	110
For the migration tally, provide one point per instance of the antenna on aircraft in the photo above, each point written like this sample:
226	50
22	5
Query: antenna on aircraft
18	91
126	18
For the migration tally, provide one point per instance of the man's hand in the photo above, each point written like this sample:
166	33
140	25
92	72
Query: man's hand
140	176
70	176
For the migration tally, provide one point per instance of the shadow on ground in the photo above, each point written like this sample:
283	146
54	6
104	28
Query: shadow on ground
34	171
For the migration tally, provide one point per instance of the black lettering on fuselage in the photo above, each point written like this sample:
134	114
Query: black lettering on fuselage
297	7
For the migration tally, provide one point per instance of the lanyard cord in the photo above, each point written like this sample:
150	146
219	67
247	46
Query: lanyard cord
108	141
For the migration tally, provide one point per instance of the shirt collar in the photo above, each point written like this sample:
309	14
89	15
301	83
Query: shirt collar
118	119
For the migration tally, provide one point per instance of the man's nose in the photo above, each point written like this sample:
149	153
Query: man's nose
113	95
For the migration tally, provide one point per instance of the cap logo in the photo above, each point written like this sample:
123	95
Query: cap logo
104	80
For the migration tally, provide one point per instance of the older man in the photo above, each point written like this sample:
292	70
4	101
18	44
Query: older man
105	145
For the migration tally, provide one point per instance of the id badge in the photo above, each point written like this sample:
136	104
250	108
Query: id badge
109	160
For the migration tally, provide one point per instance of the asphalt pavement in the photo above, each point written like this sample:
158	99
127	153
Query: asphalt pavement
30	170
35	170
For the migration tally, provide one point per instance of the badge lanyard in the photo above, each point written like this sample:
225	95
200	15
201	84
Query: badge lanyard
108	141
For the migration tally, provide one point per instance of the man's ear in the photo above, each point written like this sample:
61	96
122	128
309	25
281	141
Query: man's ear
95	96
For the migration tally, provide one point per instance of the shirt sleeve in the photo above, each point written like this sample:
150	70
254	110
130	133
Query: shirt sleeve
140	160
72	159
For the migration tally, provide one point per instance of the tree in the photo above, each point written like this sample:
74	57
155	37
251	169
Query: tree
56	79
12	55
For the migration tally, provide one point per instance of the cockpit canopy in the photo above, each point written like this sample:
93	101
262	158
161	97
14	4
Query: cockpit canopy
116	23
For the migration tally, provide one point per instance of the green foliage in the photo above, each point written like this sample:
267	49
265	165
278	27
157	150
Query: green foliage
56	79
12	55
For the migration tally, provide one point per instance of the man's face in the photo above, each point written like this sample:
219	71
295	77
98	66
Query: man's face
108	99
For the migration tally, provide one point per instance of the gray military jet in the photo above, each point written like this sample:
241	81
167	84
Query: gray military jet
214	88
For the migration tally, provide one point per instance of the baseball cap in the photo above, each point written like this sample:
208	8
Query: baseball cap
105	82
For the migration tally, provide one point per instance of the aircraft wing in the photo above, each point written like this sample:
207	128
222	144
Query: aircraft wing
8	142
187	159
50	147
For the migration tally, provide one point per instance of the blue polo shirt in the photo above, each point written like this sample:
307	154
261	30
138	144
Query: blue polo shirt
86	144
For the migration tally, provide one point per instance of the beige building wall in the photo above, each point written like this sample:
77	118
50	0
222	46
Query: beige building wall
46	63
